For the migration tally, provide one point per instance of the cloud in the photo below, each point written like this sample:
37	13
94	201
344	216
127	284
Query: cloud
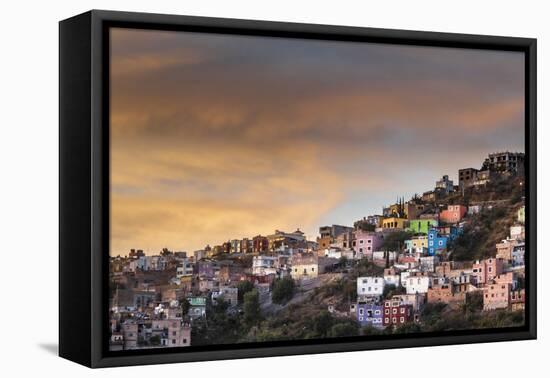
216	137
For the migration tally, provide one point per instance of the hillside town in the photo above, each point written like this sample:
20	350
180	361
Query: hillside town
450	258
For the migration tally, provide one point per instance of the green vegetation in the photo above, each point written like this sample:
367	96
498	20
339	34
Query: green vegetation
364	225
390	290
243	288
283	290
302	322
396	240
218	327
155	340
440	317
184	305
482	233
473	302
251	307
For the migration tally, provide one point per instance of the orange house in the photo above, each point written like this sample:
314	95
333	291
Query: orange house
453	214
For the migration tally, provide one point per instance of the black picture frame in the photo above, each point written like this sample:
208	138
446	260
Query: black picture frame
84	189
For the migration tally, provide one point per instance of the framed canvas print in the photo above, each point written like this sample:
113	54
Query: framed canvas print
233	188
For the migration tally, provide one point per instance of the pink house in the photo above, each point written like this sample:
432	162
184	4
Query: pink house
487	270
497	296
453	214
366	242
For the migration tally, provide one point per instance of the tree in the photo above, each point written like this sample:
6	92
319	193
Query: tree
322	323
396	240
408	328
243	288
283	290
390	290
155	340
343	329
251	307
473	302
185	306
364	225
343	261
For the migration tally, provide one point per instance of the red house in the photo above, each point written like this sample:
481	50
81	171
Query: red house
396	312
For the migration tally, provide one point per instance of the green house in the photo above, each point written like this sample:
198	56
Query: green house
421	226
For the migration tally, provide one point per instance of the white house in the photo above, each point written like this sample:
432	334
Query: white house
370	286
518	254
304	267
418	284
392	277
335	253
185	268
517	232
264	265
427	263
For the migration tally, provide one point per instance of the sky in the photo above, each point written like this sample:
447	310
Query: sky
218	137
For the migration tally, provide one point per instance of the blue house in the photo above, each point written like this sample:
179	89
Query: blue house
439	237
437	243
369	314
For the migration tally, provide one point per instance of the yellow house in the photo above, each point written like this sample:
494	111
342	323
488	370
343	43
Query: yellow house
393	222
420	242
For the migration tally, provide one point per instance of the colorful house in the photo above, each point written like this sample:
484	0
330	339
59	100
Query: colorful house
421	226
437	242
418	244
497	296
486	270
397	312
394	222
369	314
370	286
453	213
365	243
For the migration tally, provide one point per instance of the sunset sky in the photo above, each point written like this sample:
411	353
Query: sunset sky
219	137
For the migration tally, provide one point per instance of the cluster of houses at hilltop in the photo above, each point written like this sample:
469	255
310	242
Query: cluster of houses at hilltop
148	291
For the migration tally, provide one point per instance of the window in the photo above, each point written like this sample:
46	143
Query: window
394	311
361	311
173	341
387	312
402	310
402	319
